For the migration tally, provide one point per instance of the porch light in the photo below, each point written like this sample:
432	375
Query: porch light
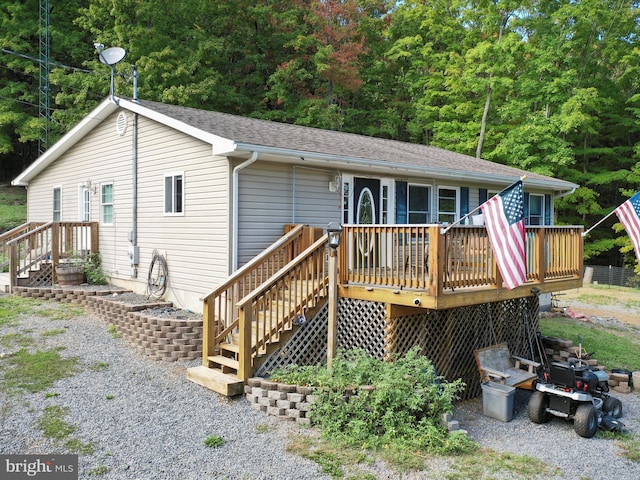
334	230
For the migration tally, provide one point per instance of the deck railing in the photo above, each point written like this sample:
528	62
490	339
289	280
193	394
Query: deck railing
421	257
277	305
52	243
10	235
220	309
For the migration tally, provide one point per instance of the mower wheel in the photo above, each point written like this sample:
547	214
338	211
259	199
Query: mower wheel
538	404
585	422
613	406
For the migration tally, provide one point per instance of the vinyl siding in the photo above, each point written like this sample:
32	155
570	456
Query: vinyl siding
272	195
195	244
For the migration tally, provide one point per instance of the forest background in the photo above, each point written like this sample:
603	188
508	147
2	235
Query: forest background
550	86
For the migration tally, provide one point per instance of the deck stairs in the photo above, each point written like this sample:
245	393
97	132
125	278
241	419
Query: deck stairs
252	315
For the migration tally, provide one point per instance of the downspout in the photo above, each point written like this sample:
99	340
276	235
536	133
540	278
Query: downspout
235	205
134	255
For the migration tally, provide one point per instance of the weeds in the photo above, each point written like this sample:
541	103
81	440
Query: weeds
214	441
54	426
38	371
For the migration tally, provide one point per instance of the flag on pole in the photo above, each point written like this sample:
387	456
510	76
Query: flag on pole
629	215
504	219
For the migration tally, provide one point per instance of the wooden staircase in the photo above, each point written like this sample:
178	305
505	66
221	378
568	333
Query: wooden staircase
259	308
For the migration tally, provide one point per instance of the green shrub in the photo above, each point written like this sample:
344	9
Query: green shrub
93	269
403	411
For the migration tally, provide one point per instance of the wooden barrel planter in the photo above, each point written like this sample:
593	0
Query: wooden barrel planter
69	275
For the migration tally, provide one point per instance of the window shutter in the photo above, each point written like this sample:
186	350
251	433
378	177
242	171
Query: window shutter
547	209
464	201
401	202
526	208
482	195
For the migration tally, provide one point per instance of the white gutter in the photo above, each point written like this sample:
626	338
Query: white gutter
235	204
387	167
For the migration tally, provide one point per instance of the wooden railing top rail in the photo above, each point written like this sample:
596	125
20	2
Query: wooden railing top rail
300	259
257	261
14	232
29	233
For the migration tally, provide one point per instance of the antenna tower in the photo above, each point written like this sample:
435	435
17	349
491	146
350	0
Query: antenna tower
44	113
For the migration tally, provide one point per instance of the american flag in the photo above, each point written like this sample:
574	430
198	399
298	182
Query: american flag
629	215
504	219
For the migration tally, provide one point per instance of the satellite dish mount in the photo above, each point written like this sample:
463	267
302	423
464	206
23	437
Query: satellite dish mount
110	56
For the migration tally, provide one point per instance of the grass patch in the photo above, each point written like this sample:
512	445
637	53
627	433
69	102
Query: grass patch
214	441
54	332
614	348
113	331
99	366
630	445
54	426
38	371
12	307
499	465
99	470
58	311
15	339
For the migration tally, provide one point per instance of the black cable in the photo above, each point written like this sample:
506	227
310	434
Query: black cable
158	275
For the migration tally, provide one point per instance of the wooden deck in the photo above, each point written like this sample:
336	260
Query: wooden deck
418	266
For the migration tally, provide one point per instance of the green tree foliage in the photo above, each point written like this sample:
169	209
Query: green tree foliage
548	86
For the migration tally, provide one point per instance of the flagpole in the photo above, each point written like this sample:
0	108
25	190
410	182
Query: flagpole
448	227
584	234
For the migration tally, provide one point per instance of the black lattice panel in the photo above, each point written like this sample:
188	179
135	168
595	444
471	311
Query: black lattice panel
362	325
307	346
449	337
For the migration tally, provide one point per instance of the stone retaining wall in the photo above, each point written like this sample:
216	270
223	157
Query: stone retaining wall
158	338
287	402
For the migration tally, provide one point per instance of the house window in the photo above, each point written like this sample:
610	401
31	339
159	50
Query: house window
174	194
85	204
448	204
57	204
536	210
419	202
106	203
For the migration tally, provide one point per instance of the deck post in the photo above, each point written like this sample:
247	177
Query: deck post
333	306
245	320
208	331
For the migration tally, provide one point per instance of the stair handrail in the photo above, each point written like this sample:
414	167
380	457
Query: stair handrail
249	347
10	235
219	309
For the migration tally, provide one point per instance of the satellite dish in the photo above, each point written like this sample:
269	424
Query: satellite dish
112	55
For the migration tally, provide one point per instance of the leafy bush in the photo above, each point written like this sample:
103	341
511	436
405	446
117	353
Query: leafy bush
93	269
403	410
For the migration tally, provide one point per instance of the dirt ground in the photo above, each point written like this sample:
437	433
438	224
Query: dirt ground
603	301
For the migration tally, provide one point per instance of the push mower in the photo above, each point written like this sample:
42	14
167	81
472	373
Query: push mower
576	392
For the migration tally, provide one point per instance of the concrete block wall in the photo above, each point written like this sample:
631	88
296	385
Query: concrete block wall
159	338
287	402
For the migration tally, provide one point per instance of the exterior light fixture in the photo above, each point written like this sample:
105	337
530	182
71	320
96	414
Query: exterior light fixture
334	230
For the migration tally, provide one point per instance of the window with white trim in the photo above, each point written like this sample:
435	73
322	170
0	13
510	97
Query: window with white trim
85	204
419	204
536	209
57	204
448	204
106	203
174	194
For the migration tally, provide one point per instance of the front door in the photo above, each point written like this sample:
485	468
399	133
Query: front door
367	211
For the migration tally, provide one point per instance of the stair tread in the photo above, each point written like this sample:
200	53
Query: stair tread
222	360
231	347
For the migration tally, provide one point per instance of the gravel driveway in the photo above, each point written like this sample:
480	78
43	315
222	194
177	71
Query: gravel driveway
145	420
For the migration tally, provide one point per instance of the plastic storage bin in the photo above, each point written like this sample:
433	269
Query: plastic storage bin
497	401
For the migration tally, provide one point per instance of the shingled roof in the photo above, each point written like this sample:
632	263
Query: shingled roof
251	132
284	142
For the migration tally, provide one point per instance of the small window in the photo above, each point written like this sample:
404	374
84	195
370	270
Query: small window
418	200
174	194
448	204
106	203
536	209
57	204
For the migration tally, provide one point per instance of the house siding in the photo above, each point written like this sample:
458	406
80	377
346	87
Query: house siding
194	244
272	195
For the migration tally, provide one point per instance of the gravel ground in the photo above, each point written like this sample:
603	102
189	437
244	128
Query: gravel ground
145	420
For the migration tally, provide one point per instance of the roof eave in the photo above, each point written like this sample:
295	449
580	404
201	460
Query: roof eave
390	167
